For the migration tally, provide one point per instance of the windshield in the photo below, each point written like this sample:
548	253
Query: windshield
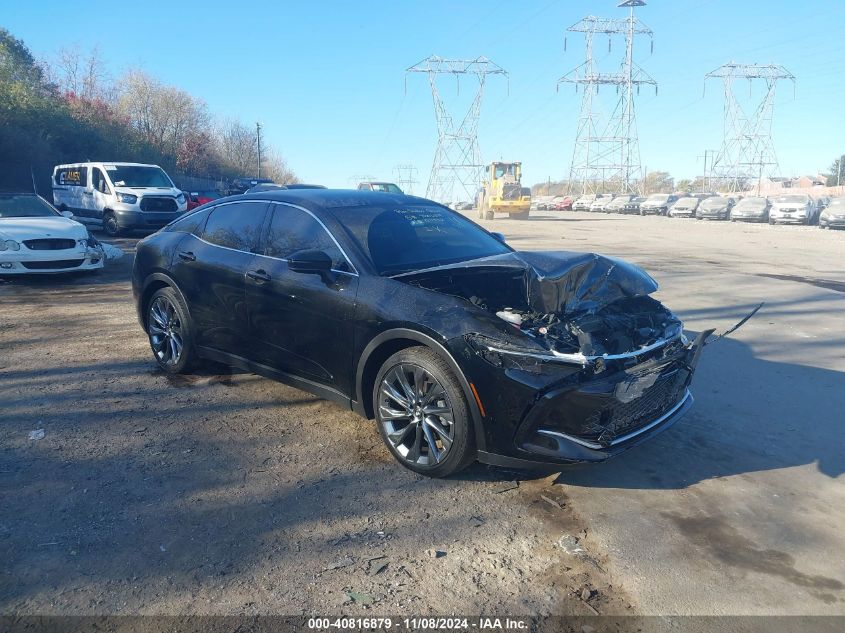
138	176
684	203
751	203
660	197
414	237
388	187
25	206
792	198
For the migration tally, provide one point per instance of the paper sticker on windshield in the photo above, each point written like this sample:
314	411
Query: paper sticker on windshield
110	167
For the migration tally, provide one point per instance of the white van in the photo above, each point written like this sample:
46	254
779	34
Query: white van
117	196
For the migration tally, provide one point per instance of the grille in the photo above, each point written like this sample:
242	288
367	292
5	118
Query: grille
511	192
621	418
158	203
49	244
59	263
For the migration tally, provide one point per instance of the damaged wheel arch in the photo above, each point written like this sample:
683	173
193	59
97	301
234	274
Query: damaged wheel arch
389	342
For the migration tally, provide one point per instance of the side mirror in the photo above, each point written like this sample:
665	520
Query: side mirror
499	236
310	261
67	214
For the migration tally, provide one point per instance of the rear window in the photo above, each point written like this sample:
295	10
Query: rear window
71	177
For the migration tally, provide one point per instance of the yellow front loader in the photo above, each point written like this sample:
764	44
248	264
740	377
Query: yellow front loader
502	192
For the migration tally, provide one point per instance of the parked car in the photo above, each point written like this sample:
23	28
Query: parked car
36	238
117	197
199	198
583	203
618	203
752	209
561	203
633	205
242	185
386	187
684	207
658	204
598	205
407	312
715	208
793	208
833	215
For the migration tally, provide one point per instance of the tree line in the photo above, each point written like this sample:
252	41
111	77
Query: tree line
68	108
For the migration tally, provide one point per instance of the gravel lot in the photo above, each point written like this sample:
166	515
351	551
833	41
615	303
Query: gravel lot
231	494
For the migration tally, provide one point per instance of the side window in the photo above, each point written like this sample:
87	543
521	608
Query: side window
236	225
293	230
190	222
73	176
99	181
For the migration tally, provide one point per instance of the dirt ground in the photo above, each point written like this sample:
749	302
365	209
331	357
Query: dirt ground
232	494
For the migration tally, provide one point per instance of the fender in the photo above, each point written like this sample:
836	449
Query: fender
425	339
159	276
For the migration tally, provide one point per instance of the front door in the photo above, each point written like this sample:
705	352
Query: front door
301	323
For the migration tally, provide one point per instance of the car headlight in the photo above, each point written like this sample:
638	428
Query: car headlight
9	245
180	198
127	198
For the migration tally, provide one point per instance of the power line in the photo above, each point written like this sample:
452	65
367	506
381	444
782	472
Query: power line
457	166
607	147
747	150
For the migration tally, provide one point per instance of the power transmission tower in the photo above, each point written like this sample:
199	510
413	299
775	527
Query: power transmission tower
406	177
607	149
457	167
747	150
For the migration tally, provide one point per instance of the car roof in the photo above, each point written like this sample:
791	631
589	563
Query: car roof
334	198
107	162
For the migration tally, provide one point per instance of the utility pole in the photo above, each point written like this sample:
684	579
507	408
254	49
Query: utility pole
258	135
747	136
457	159
608	147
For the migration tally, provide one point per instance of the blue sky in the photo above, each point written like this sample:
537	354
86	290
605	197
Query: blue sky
327	80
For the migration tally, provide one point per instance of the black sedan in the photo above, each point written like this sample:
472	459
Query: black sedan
459	347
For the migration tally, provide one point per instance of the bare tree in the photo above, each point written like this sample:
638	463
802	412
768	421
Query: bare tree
81	74
164	115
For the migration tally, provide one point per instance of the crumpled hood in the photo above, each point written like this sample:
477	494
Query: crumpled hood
565	282
561	282
19	229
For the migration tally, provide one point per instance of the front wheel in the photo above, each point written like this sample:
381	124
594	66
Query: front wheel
110	225
170	331
422	414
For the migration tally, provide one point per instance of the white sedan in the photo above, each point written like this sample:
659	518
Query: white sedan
35	238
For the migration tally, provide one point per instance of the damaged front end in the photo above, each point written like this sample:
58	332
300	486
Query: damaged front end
587	365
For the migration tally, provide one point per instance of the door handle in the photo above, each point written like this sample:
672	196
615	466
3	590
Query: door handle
187	256
88	193
259	275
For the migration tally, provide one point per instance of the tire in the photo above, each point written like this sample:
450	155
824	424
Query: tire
771	222
430	445
170	332
110	225
489	214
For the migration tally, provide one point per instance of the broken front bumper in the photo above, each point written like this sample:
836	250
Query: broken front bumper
590	417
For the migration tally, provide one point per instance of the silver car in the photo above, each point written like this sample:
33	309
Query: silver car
752	209
793	208
684	208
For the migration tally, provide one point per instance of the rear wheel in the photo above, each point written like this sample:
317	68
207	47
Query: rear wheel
489	214
422	414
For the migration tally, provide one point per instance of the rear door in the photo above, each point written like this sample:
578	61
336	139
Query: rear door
302	323
210	267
